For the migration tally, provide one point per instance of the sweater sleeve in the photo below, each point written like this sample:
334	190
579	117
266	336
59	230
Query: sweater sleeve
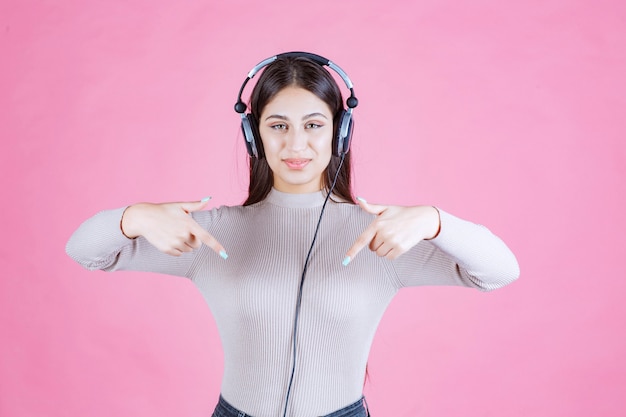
99	243
463	254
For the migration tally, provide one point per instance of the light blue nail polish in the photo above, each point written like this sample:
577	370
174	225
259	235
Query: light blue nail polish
205	199
346	261
361	199
223	254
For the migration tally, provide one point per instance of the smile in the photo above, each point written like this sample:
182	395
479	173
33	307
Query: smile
296	163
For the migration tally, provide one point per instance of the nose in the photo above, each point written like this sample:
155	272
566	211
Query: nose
296	140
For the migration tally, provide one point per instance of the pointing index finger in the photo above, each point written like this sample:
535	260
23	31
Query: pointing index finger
362	241
206	238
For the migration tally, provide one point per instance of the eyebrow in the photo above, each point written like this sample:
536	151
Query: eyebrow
305	117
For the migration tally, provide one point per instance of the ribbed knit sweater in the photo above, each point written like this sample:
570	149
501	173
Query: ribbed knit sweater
252	294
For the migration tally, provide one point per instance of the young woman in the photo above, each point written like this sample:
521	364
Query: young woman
296	299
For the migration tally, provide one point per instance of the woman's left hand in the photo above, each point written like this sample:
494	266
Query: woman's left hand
395	229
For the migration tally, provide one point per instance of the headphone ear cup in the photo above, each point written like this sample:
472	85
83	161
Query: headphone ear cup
250	129
344	134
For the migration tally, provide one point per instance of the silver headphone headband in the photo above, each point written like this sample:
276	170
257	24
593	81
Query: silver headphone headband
351	102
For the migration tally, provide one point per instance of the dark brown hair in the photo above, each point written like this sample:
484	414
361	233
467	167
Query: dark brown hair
304	73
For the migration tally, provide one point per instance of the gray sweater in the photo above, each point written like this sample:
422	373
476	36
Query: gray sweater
252	294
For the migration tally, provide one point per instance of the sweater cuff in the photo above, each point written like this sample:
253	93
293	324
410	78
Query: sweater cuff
111	222
455	233
97	238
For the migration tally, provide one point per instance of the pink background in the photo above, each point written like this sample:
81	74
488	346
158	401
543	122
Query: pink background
511	114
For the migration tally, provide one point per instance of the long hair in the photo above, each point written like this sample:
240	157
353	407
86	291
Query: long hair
304	73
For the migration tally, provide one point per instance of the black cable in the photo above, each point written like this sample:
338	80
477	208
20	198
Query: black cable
299	300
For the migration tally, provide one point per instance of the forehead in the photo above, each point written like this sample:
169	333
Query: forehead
296	100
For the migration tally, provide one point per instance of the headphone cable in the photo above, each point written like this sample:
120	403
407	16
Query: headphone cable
299	299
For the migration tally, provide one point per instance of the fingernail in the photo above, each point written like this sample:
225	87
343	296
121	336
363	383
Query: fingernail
205	199
223	254
361	199
346	261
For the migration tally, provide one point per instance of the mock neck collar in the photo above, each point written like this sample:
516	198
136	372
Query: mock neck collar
289	200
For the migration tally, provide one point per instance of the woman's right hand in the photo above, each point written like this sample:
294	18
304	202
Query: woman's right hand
169	227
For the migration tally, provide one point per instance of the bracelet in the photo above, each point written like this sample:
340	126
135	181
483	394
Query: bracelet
122	228
439	228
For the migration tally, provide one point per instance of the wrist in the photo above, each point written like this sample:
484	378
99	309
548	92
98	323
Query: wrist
437	223
127	222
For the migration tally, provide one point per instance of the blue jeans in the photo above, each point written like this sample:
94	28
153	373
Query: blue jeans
356	409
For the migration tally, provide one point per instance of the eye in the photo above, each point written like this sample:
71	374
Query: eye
278	126
313	125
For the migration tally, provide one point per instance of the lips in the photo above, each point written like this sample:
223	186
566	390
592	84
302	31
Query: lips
293	163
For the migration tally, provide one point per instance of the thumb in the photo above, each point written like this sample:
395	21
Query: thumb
371	208
192	206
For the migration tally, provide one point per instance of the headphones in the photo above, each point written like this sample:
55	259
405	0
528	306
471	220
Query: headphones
250	125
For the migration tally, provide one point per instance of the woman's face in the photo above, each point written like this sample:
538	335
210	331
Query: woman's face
296	129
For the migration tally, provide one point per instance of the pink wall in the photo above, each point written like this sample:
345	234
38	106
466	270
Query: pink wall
508	113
